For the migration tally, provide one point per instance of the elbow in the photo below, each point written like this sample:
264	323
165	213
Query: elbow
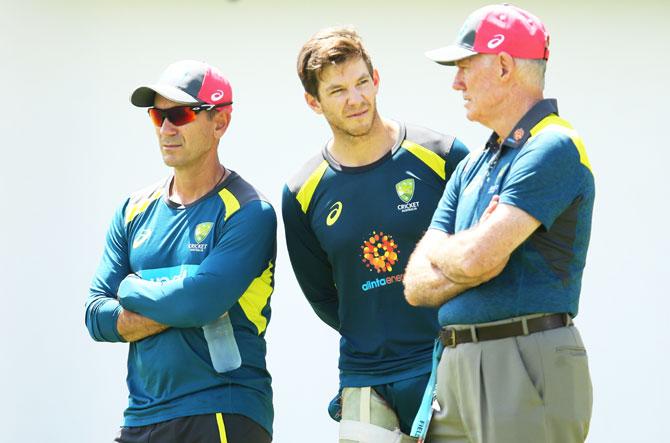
411	290
411	298
477	268
190	318
471	268
195	315
91	324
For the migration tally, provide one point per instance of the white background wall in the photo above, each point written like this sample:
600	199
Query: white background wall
73	147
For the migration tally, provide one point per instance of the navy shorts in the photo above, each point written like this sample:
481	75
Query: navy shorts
404	397
210	428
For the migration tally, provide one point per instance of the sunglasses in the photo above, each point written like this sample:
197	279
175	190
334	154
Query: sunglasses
180	115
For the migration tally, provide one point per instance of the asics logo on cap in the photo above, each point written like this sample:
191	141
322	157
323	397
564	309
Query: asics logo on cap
495	41
216	96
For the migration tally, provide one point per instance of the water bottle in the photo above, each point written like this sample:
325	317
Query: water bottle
222	345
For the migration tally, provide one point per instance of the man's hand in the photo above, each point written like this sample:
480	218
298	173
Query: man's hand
133	327
425	284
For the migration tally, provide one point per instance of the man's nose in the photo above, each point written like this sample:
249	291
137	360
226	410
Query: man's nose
168	128
458	83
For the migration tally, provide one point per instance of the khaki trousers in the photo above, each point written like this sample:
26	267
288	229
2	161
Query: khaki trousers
528	389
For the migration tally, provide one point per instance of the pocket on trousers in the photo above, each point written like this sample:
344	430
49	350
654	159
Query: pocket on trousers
571	351
530	362
574	364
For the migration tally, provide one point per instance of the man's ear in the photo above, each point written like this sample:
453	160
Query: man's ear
506	65
313	103
375	78
221	121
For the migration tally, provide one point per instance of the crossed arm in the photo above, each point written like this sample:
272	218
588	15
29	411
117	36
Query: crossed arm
123	308
443	265
107	321
134	327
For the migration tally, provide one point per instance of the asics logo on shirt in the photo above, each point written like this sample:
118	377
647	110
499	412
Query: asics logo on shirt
141	237
334	213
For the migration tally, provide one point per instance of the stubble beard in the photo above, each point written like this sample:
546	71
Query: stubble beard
362	131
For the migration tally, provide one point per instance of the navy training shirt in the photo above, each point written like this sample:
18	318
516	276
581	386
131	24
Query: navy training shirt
350	232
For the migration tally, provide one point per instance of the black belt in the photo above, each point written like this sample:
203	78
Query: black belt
451	337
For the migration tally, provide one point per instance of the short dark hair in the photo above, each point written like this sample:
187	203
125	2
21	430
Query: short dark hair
329	46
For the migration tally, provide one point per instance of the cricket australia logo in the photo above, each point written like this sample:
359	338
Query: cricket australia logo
405	191
200	234
141	237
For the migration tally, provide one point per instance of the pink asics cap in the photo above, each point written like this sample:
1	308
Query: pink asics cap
187	82
494	29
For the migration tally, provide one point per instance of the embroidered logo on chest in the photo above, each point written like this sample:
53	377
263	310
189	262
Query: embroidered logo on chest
200	233
405	190
141	237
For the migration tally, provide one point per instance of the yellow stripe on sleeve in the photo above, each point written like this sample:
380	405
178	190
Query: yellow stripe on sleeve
555	123
255	298
306	192
141	205
434	161
222	428
230	202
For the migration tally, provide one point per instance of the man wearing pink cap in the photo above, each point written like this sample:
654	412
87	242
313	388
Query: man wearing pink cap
504	255
186	278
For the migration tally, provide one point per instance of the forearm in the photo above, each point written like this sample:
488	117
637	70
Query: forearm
191	302
479	252
133	327
464	259
426	285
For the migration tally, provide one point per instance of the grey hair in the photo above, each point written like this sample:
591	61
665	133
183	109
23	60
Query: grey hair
532	70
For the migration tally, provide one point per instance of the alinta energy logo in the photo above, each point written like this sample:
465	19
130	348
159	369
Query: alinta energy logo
379	253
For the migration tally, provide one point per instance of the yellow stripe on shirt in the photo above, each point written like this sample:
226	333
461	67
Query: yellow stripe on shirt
141	205
555	123
434	161
306	191
231	203
255	298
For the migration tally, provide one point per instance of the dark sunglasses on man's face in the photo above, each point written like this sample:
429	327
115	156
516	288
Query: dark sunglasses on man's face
180	115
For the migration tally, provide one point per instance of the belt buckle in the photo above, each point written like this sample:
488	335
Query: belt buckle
451	340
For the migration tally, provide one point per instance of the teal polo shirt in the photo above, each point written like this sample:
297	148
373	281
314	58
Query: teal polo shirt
542	169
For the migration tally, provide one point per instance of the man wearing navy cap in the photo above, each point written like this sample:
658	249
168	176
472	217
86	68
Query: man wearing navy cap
505	252
186	277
